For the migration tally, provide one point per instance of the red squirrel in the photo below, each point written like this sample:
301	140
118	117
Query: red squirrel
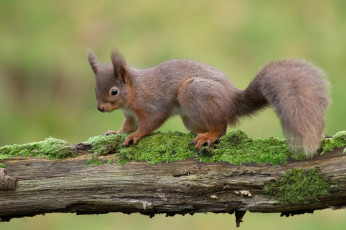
207	101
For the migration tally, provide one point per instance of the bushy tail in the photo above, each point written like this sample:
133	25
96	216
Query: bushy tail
299	93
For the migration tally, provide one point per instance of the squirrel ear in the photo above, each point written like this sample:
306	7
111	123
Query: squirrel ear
119	66
95	65
123	75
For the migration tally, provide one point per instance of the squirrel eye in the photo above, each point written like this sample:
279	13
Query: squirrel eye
114	92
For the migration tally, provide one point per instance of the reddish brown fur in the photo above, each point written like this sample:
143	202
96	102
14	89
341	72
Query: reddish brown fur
207	101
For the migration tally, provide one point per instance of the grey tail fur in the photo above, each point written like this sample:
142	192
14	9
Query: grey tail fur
299	93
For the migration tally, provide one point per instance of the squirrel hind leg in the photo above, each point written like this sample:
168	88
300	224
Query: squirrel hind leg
204	135
205	109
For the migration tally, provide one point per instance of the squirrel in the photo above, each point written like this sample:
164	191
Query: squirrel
207	101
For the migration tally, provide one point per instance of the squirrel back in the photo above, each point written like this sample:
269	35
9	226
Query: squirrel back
299	93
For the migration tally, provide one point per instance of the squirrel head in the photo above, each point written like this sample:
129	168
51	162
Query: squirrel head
113	87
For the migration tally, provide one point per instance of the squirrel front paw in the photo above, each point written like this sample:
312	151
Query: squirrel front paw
131	138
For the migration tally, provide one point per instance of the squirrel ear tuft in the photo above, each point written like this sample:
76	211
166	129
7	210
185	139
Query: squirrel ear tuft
119	66
95	65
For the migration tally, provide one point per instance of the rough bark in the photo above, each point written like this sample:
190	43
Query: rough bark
37	186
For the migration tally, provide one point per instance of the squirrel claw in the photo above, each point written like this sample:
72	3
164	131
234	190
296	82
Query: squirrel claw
130	139
199	142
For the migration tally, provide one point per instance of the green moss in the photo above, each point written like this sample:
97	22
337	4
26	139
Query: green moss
94	160
238	148
235	147
298	186
2	166
103	144
337	141
159	147
50	148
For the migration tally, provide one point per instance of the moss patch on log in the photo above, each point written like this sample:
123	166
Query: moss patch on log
238	148
159	147
298	186
235	147
50	148
106	144
337	141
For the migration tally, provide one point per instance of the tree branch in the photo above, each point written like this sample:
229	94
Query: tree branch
31	186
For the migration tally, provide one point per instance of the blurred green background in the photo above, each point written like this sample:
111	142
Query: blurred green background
46	83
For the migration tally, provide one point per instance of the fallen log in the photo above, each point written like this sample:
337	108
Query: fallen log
89	184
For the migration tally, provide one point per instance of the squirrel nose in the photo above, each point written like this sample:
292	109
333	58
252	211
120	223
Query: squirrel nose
100	109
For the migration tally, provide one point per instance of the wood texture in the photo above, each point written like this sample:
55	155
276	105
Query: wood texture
38	186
